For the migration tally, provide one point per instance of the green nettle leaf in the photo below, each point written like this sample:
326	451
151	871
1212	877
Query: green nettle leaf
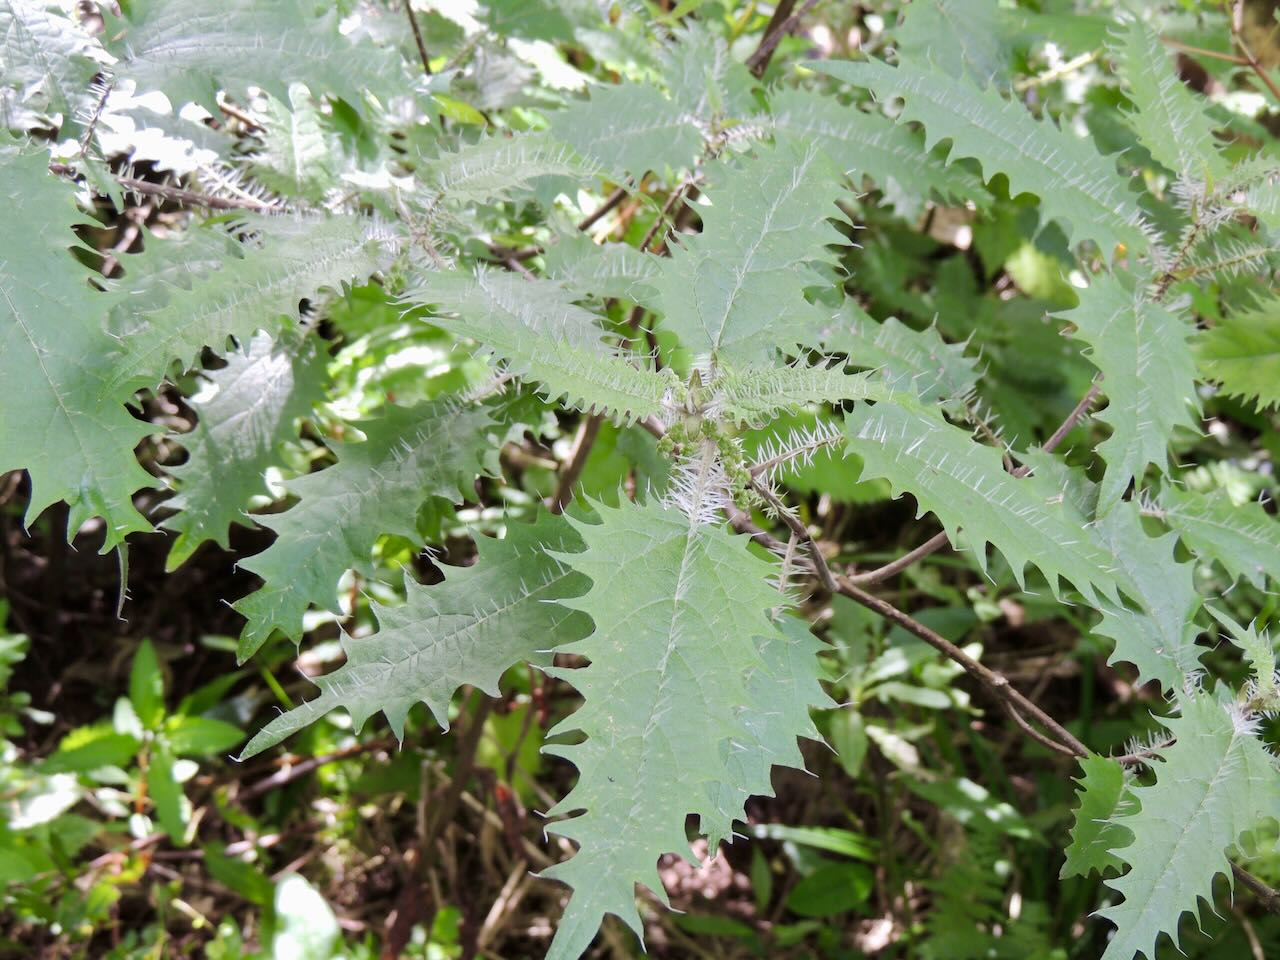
736	290
497	166
375	488
1242	352
1158	636
964	484
470	629
543	335
682	644
193	48
1148	375
1244	538
1169	119
602	270
704	77
295	158
959	36
182	295
755	395
62	422
870	144
918	361
1095	833
1076	185
630	129
1260	655
1216	783
246	411
47	58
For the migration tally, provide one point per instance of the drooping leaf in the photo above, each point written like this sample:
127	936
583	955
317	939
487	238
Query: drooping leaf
870	144
375	488
542	334
1148	375
1169	120
1095	833
1244	538
630	128
680	645
182	295
1242	352
736	290
470	629
965	485
193	48
1076	185
246	411
1213	785
62	422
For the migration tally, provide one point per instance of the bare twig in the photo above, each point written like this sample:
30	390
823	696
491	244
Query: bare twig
930	546
615	198
417	37
588	429
780	24
191	198
795	525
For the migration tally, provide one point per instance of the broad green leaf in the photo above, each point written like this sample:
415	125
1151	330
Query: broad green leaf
88	748
1158	635
683	647
543	335
200	736
470	629
245	412
870	144
1169	120
497	166
146	686
184	294
241	878
63	422
736	290
306	928
48	59
1095	834
705	78
918	361
1242	352
376	487
1260	655
173	809
754	395
958	36
1244	538
630	128
1148	375
193	48
1216	783
964	484
1076	185
296	158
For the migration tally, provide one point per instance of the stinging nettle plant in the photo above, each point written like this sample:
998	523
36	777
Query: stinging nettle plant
678	610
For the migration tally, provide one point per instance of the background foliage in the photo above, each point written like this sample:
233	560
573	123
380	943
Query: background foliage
411	397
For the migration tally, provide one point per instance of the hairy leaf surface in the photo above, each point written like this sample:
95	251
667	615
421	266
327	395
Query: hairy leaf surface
680	643
470	629
1213	785
1244	538
736	290
1148	375
1095	833
246	412
375	488
630	129
64	420
1076	185
1242	352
